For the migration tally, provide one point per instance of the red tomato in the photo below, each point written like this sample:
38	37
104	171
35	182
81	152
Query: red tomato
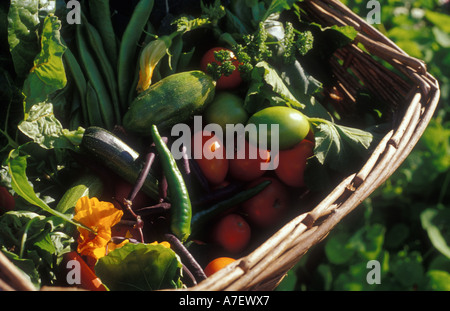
224	82
211	158
7	202
232	233
267	207
218	264
292	163
248	168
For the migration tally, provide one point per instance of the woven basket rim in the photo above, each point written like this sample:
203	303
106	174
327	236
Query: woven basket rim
265	267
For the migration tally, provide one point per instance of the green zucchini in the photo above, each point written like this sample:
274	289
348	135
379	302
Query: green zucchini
174	99
88	185
120	158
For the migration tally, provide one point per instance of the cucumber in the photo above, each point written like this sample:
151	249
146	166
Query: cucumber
174	99
120	158
87	185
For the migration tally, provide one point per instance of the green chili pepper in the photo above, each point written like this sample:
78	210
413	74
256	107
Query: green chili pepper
201	217
127	53
181	210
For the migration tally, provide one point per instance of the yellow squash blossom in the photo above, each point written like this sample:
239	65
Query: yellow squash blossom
150	57
100	217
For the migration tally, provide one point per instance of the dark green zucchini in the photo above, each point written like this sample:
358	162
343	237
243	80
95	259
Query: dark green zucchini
120	158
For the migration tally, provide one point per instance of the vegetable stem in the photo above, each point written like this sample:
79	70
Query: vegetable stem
24	237
186	256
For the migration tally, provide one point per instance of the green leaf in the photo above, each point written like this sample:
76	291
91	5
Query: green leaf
288	282
17	170
326	275
396	235
435	222
45	129
26	266
268	84
12	224
48	74
24	20
234	23
277	6
139	267
338	249
345	281
37	241
435	144
438	280
442	37
339	146
328	143
441	20
440	262
408	269
358	140
302	84
368	241
340	34
23	23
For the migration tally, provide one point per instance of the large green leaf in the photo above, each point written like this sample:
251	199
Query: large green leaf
17	165
23	22
37	240
140	267
266	83
23	35
338	146
47	75
45	129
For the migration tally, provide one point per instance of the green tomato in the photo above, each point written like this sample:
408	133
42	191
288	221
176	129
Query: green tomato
293	126
226	108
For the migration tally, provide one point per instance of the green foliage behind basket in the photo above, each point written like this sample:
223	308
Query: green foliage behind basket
404	224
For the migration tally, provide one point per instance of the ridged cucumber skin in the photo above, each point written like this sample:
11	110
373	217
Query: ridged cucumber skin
174	99
120	158
89	185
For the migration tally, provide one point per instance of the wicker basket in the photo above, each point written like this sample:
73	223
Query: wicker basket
413	95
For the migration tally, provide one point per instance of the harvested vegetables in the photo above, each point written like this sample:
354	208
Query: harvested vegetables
89	122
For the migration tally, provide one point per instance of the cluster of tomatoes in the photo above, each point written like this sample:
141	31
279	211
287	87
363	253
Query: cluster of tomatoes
232	232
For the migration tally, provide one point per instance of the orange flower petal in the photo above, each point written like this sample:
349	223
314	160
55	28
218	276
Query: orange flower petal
100	217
